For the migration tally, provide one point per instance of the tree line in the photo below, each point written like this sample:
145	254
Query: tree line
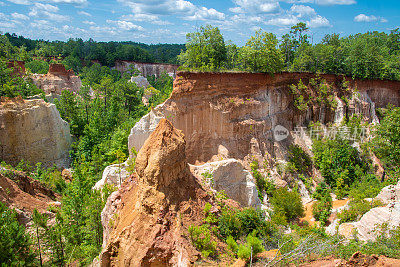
105	52
372	55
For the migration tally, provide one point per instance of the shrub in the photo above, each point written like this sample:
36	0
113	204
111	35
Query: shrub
322	208
357	208
287	203
201	239
14	242
340	163
237	223
38	66
251	247
232	245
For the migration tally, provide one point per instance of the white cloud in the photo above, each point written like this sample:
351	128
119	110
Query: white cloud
7	25
19	16
39	7
83	13
204	13
318	22
126	25
255	6
335	2
324	2
2	4
69	1
283	21
88	22
20	2
153	19
371	18
183	8
48	11
302	11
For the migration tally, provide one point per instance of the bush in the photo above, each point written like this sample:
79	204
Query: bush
322	208
340	163
14	242
201	239
232	245
38	66
287	203
237	223
357	208
251	247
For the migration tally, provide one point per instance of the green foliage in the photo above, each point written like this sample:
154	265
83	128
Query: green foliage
368	187
264	186
386	141
14	242
251	247
322	208
202	240
261	54
38	66
340	163
357	208
316	93
287	203
237	223
205	50
301	160
232	245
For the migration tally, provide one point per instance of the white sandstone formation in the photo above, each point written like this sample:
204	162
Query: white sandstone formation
114	175
230	176
34	131
140	81
143	128
389	214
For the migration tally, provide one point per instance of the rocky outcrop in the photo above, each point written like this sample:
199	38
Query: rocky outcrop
231	177
34	131
114	175
140	81
236	110
373	219
57	80
148	90
145	220
20	192
147	69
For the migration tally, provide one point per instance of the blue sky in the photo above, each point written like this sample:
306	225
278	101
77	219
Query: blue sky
168	21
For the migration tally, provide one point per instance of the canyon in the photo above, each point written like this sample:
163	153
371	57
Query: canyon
147	69
33	131
57	80
235	114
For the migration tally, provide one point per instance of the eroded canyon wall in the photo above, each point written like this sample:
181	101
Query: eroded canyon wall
237	112
34	131
147	69
57	80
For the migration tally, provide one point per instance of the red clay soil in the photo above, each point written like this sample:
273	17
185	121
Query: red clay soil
23	193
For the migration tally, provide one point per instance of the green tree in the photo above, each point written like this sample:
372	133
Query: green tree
261	54
205	50
386	141
287	203
14	242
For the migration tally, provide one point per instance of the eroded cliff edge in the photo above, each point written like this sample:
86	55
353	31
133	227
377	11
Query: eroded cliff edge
234	114
34	131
